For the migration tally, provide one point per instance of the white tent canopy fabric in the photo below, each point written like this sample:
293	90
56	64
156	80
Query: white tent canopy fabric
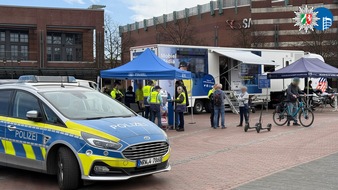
245	57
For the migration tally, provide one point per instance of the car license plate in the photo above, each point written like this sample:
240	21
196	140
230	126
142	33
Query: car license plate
149	161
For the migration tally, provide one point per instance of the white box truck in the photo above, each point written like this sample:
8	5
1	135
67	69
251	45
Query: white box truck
231	67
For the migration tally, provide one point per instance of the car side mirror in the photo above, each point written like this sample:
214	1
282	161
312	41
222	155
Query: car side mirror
34	115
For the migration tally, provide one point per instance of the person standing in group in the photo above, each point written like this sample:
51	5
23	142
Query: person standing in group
139	96
293	93
243	100
129	96
181	106
219	97
146	94
116	93
211	100
155	102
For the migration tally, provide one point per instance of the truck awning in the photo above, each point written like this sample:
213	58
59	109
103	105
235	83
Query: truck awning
245	57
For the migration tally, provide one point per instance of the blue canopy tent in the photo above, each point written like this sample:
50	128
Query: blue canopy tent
146	66
304	68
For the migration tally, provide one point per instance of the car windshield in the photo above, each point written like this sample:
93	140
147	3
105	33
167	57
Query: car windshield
86	104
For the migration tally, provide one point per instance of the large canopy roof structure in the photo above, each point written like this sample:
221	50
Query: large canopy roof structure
146	66
306	67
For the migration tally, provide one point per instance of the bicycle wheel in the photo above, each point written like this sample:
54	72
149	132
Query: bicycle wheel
306	117
332	103
280	119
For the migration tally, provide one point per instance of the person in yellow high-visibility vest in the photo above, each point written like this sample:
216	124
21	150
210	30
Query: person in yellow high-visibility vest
211	101
146	93
181	106
116	93
155	101
139	96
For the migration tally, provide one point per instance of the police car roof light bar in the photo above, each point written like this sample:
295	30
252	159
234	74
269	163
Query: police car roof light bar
46	79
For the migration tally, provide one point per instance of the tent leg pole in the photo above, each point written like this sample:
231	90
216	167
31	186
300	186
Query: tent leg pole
307	93
191	107
174	126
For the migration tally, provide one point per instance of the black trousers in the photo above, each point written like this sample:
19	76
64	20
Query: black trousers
244	113
212	114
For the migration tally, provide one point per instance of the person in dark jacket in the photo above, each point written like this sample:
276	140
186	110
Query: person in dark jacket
211	100
129	96
292	94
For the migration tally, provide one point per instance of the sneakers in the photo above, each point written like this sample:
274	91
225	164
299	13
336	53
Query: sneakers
239	126
296	124
180	129
223	127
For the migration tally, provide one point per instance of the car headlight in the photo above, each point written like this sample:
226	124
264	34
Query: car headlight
100	142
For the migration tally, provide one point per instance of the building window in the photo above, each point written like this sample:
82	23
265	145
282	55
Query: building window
64	46
14	44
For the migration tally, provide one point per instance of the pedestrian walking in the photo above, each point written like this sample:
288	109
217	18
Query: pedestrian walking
243	100
146	94
219	97
116	93
292	94
211	100
155	102
129	96
180	108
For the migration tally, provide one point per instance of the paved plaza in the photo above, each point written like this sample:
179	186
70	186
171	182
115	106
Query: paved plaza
206	158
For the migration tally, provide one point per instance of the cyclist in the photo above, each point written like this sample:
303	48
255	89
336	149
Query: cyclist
293	93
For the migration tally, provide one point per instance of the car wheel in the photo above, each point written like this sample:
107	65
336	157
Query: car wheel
198	108
68	171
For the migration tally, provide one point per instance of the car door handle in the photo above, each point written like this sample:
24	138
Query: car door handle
11	127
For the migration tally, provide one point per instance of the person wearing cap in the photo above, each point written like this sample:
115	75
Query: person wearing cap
155	102
243	100
211	100
293	93
129	96
146	93
116	93
180	108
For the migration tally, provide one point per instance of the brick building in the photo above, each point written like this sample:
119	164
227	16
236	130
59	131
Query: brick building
51	41
237	23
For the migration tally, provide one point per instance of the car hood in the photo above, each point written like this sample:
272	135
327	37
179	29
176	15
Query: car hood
124	128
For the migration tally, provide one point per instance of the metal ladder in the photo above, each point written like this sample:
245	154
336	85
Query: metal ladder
234	104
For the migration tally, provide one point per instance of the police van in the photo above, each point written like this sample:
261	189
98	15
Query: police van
53	125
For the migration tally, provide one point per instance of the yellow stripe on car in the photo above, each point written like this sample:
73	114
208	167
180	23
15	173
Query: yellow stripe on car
43	151
87	162
29	151
9	148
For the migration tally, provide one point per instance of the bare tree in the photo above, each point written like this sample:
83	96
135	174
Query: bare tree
178	33
114	46
249	37
324	43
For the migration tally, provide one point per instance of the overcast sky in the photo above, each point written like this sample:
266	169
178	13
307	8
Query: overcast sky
122	11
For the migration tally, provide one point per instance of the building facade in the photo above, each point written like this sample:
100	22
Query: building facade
238	23
51	41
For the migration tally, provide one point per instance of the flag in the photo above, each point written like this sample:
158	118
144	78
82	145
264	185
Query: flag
306	19
322	84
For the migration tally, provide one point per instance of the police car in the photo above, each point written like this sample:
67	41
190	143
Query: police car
54	125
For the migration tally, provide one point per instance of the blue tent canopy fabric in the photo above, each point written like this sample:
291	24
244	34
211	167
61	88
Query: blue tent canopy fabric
146	66
306	67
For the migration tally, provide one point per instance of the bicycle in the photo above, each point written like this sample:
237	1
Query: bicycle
282	114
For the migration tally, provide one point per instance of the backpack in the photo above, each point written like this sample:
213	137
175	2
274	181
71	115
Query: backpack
217	96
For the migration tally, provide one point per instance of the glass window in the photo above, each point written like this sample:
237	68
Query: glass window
49	39
56	39
51	117
86	104
24	37
5	99
78	54
14	37
69	39
23	103
78	39
2	36
69	52
57	54
2	51
49	53
24	52
269	68
14	51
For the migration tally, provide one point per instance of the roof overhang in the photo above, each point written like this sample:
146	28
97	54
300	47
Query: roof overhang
246	57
